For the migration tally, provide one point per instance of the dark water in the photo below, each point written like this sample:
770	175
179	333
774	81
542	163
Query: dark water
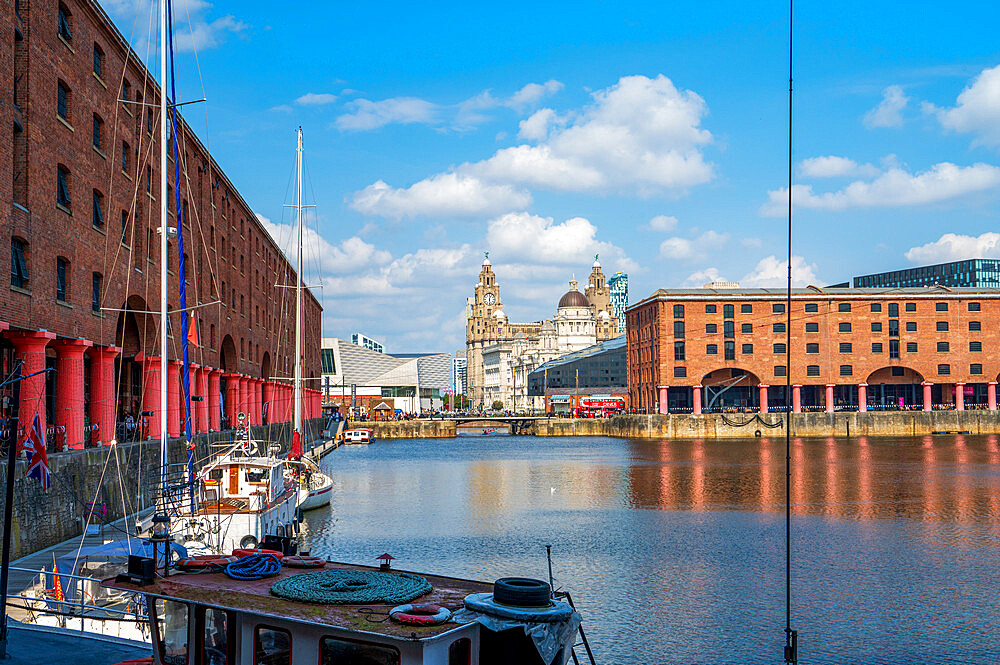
674	551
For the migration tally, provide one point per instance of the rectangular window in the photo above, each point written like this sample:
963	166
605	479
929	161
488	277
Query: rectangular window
62	101
877	326
217	637
18	264
710	309
728	329
812	347
845	347
747	349
893	348
172	625
780	370
98	60
95	293
844	307
812	370
940	307
911	307
779	347
973	307
340	652
876	307
844	327
778	308
62	186
97	216
97	137
746	309
680	372
678	311
975	347
893	309
876	347
746	328
271	646
61	279
778	327
711	328
65	29
678	350
811	308
941	326
893	327
846	370
729	351
911	326
944	370
124	157
975	326
711	349
149	121
911	347
678	330
728	311
975	369
812	327
942	347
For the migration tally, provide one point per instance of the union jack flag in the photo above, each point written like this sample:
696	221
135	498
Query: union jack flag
33	443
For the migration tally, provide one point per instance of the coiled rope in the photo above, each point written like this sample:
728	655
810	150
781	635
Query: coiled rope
254	567
351	587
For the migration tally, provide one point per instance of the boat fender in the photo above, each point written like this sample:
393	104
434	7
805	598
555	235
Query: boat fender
240	553
203	561
297	561
522	592
420	615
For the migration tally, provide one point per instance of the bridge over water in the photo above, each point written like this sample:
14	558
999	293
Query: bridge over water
517	424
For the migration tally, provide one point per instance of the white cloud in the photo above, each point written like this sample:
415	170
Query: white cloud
367	114
702	277
193	29
521	235
663	223
536	126
446	194
833	166
531	94
351	256
977	109
316	99
955	247
641	136
894	188
889	112
773	272
683	249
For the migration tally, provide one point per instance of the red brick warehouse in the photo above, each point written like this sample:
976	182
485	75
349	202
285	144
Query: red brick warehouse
79	209
700	350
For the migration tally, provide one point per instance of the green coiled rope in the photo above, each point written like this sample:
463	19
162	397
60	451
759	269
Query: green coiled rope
351	587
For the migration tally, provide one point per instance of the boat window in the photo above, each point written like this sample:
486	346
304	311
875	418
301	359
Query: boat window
172	624
272	646
460	652
333	651
215	632
256	475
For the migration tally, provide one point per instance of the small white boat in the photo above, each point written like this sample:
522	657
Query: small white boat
358	436
315	487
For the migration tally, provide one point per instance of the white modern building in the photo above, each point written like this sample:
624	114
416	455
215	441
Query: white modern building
367	342
458	372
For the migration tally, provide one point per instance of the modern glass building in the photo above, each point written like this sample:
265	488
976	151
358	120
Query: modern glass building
601	368
618	285
971	272
459	372
367	342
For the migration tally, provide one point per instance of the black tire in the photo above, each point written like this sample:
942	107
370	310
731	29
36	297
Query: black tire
248	542
522	592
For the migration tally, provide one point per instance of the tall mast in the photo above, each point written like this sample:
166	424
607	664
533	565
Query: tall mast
163	250
298	290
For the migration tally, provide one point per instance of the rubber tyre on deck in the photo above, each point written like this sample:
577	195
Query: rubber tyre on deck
521	592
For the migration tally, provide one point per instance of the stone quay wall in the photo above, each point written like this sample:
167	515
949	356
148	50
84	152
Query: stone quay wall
408	429
82	478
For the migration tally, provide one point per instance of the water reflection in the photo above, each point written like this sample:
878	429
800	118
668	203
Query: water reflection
895	539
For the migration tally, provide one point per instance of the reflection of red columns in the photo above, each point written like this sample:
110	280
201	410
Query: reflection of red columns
102	392
862	397
664	407
69	389
763	397
151	394
796	399
696	399
174	397
214	415
928	405
201	408
991	395
960	397
829	398
29	347
245	396
268	397
232	397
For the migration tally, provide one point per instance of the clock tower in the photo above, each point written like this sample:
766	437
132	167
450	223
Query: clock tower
485	323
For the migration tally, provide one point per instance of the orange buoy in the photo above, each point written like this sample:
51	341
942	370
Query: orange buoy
203	561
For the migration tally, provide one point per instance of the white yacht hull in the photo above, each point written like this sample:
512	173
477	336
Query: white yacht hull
317	494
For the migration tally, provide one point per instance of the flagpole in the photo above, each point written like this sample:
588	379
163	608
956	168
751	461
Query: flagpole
8	506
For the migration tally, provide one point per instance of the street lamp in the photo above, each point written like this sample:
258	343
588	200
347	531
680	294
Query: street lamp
161	534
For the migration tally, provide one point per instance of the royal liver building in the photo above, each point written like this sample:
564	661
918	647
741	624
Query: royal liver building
501	354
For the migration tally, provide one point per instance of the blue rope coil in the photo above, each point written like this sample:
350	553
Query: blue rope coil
254	567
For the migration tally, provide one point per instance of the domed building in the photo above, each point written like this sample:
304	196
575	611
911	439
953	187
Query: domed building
501	354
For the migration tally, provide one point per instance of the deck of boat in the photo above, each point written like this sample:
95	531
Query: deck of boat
218	590
30	645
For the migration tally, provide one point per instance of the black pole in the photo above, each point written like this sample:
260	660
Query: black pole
791	636
10	442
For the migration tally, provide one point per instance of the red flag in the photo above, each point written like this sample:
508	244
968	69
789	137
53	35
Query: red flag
296	451
193	331
56	591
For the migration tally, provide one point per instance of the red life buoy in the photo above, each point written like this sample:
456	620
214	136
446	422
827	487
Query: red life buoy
203	561
247	552
296	561
420	615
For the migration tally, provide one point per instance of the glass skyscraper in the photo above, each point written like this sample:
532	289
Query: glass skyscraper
618	285
971	272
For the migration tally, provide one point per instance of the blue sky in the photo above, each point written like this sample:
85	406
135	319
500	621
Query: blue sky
653	134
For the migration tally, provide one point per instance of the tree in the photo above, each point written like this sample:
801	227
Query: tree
497	405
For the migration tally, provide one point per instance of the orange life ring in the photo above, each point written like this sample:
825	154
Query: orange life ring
296	561
247	552
420	615
204	561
